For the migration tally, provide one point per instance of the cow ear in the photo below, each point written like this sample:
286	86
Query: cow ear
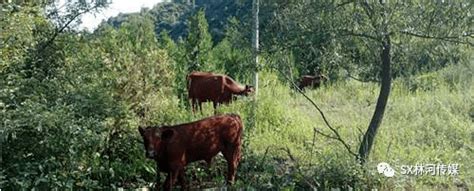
141	130
166	135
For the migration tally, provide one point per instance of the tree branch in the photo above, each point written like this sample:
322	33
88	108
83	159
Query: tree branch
287	46
333	130
361	80
313	184
60	30
358	79
264	156
345	32
369	11
360	135
323	134
298	169
445	38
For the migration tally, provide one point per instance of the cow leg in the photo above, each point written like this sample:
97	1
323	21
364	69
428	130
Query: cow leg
208	167
193	105
170	180
158	179
166	185
182	180
209	162
215	104
200	106
232	155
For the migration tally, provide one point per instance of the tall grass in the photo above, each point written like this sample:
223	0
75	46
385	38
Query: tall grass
429	119
423	124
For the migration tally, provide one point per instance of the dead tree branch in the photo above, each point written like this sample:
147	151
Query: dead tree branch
333	130
323	134
298	169
358	79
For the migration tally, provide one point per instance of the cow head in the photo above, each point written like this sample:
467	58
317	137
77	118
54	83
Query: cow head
154	138
248	90
323	78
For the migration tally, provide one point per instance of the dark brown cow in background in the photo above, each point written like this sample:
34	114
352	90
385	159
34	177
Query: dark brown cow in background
216	88
173	147
312	81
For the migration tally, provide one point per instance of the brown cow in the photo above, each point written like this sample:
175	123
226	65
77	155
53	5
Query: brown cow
217	88
312	81
173	147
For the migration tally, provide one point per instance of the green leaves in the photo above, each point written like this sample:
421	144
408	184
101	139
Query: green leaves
344	36
74	104
198	44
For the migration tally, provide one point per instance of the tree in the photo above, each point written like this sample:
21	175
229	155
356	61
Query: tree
198	44
140	68
39	118
40	56
383	22
256	6
233	55
179	63
371	34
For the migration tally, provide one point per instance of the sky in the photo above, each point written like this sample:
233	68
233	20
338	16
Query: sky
91	21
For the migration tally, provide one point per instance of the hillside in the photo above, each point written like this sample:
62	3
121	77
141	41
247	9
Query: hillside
173	16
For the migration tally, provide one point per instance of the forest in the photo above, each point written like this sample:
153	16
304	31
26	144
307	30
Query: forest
399	90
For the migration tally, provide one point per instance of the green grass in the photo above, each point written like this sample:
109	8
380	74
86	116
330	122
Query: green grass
423	123
420	126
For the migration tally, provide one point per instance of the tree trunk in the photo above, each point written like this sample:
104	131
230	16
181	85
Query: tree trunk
255	80
382	100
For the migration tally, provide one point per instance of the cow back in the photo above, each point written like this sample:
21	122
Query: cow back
205	87
203	139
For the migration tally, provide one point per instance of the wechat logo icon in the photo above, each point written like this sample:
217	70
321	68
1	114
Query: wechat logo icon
385	169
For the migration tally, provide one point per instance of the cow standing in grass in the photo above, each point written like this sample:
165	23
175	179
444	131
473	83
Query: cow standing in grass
216	88
312	81
173	147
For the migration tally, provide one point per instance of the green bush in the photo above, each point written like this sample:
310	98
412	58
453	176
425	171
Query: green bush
48	147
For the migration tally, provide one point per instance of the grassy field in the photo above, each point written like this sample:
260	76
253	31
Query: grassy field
429	120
